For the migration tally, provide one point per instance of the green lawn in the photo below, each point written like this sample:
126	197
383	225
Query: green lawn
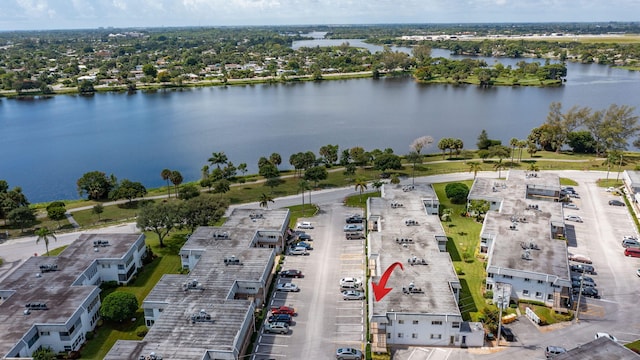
464	239
167	262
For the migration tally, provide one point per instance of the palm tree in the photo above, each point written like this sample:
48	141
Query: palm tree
218	158
514	144
474	167
166	174
205	172
265	199
499	166
521	145
533	166
45	234
176	179
361	185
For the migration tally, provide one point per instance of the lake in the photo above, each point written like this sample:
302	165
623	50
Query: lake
49	143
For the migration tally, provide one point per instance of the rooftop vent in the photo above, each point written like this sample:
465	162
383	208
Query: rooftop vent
396	204
513	227
526	254
529	245
232	260
220	235
100	243
532	206
412	289
202	316
415	261
152	356
404	241
48	267
408	188
36	306
254	216
192	285
411	222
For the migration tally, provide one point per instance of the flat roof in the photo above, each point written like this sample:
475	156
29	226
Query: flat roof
28	284
434	279
634	177
173	335
599	349
523	222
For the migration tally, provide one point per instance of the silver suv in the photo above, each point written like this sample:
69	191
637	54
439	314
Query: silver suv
627	243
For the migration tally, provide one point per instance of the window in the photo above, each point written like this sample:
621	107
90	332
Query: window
44	333
491	275
455	325
549	296
436	336
120	266
527	280
400	322
538	294
507	276
525	292
388	335
436	322
415	322
414	336
540	282
400	335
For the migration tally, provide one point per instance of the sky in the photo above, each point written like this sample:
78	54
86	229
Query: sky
83	14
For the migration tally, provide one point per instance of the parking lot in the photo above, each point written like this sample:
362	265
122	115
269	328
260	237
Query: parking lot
324	321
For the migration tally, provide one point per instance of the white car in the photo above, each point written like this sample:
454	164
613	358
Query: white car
298	251
607	335
305	225
350	282
571	206
276	327
611	189
353	295
575	218
288	287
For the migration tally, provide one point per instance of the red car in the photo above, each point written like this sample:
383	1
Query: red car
283	310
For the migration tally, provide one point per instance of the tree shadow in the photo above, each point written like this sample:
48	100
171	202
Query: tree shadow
466	299
453	250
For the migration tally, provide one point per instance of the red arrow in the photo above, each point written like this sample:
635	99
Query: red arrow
378	289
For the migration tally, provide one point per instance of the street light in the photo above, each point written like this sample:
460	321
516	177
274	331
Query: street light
500	304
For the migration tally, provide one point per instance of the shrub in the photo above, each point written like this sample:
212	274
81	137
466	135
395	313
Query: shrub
459	270
106	285
89	335
457	192
119	306
488	294
141	331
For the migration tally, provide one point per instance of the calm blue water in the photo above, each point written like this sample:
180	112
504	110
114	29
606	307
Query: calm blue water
49	143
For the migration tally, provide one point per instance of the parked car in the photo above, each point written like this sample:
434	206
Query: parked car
276	327
611	189
285	318
626	243
354	235
298	250
353	295
353	227
616	203
288	287
583	268
638	272
580	258
607	335
583	278
575	218
575	284
508	334
350	281
291	273
631	251
348	354
570	206
574	195
354	219
304	236
304	245
283	310
305	225
552	351
588	291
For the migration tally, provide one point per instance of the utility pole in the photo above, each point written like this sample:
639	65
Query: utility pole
500	305
579	297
